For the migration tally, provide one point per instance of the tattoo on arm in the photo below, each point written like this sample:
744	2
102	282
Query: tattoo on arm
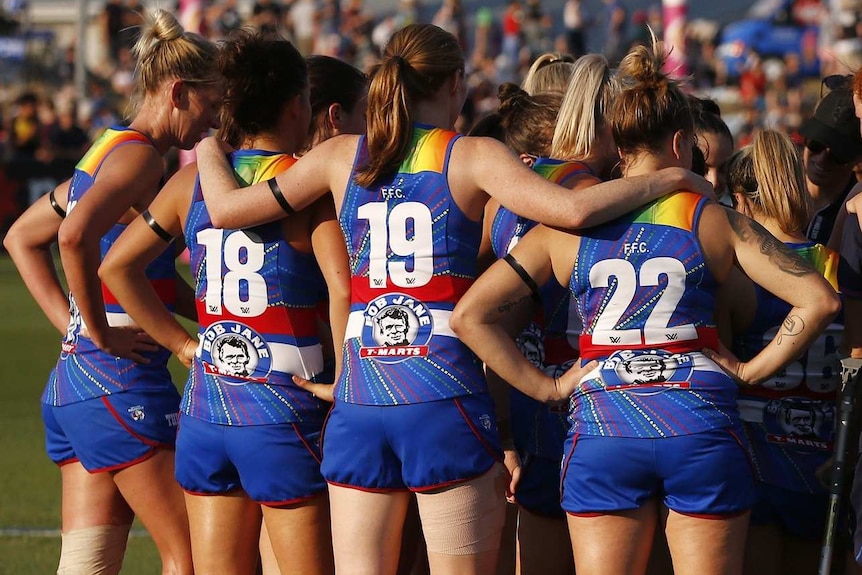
780	255
793	325
509	305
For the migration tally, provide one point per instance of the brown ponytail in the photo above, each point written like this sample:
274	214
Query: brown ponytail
417	61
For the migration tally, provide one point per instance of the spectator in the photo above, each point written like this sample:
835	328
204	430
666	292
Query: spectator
575	21
66	138
832	147
25	129
267	15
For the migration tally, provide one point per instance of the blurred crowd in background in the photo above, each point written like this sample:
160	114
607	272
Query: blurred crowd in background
764	68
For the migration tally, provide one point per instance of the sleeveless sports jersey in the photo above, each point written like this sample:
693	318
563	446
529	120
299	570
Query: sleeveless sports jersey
790	419
256	298
84	371
539	428
646	300
412	255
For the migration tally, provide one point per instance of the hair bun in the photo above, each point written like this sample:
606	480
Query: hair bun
511	96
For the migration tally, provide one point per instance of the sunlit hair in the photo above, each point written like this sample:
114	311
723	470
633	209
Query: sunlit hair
415	64
590	94
528	121
857	83
550	72
650	108
332	81
165	51
770	174
262	73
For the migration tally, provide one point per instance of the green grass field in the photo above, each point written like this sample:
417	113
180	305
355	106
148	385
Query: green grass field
29	482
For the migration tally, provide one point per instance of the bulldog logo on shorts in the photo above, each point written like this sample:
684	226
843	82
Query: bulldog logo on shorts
646	371
235	353
396	328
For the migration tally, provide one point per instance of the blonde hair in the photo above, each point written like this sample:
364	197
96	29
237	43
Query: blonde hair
769	173
550	72
165	50
591	92
651	107
416	62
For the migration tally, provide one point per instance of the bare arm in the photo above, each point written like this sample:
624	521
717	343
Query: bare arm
784	273
326	167
29	243
124	268
184	305
481	316
493	168
116	189
331	254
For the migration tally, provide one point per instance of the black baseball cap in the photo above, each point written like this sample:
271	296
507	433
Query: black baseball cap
835	125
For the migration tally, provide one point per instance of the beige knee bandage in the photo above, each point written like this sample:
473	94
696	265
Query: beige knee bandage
95	550
465	519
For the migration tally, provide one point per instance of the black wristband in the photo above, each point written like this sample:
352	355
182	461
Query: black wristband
279	197
154	225
525	277
60	211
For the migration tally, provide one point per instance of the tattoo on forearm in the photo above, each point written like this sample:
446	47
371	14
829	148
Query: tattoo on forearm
793	325
509	305
780	255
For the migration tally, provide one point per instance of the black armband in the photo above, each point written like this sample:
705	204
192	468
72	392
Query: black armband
154	225
525	277
53	200
279	197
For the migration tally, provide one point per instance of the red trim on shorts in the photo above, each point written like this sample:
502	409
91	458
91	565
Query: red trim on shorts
209	494
421	489
293	501
141	438
445	484
307	447
72	459
713	516
496	456
121	466
369	489
586	515
323	427
744	451
566	466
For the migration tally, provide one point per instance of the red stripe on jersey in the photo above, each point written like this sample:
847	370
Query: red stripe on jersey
296	322
706	337
438	289
166	289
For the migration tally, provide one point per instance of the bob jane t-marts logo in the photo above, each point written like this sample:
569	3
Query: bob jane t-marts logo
647	371
395	327
235	353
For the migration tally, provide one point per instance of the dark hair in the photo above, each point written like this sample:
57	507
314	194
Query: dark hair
528	121
262	73
416	62
331	81
490	126
707	117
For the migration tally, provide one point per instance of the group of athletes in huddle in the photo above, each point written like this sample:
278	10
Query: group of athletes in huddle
601	350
